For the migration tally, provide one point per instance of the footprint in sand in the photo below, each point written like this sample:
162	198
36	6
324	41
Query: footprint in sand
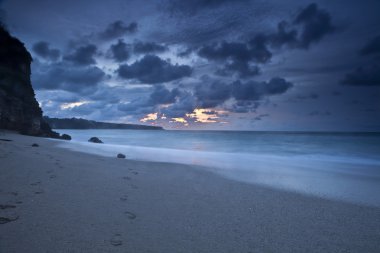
116	240
39	192
35	183
2	207
124	198
134	186
8	218
52	176
130	215
6	215
135	172
126	178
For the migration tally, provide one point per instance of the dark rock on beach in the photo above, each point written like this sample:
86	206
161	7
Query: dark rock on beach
95	140
65	137
35	145
120	156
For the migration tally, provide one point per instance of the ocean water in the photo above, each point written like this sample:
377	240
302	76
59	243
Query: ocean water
343	166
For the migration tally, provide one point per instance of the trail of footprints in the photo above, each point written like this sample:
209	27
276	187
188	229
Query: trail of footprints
8	211
8	214
116	240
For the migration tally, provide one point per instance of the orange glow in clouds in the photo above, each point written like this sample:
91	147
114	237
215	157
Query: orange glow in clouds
199	115
205	115
149	117
180	120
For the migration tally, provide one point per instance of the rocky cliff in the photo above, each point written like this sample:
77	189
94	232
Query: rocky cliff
19	109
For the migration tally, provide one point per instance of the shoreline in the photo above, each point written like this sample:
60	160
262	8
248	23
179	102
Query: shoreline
62	200
348	177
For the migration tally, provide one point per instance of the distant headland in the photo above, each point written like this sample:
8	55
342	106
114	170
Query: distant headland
78	123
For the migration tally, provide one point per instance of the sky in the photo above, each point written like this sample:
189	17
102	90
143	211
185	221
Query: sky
269	65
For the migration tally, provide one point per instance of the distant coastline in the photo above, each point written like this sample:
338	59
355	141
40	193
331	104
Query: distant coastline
79	123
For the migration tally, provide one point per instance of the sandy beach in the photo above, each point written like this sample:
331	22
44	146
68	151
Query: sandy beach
57	200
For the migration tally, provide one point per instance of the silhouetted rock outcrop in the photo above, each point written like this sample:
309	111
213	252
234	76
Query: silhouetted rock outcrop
19	109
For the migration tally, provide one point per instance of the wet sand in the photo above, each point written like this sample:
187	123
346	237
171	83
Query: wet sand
57	200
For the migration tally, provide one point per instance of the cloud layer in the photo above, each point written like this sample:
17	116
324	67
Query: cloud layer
228	64
152	69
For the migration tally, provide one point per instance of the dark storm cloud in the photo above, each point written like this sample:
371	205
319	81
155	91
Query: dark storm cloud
310	26
253	90
63	77
255	51
366	75
161	95
315	22
244	69
372	47
83	55
213	94
285	35
178	103
191	7
237	57
120	51
247	96
148	47
43	50
152	69
186	103
118	29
